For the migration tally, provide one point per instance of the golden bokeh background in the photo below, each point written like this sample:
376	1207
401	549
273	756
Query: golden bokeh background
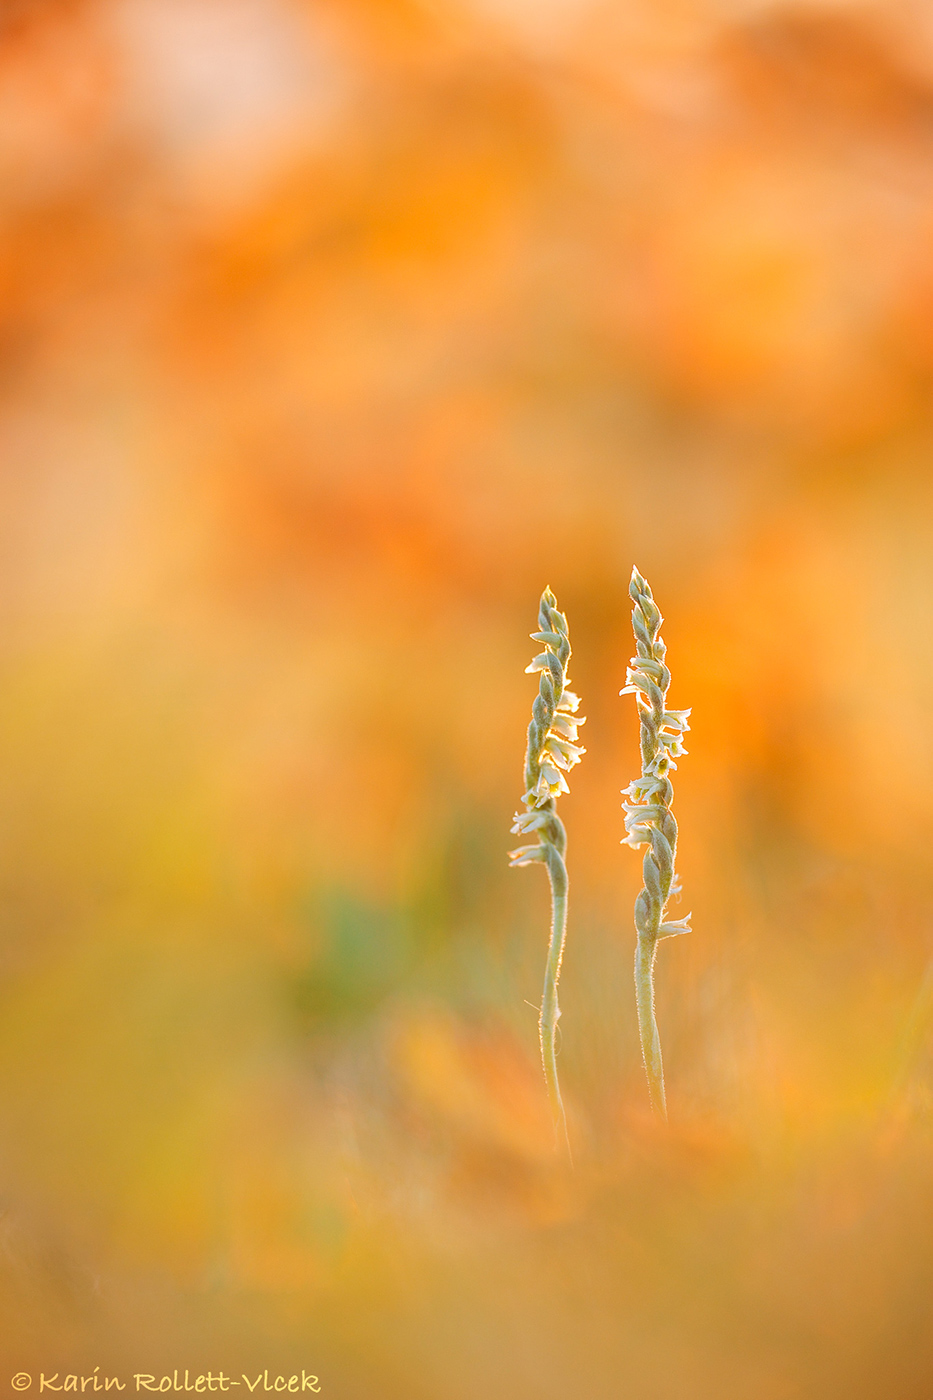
331	334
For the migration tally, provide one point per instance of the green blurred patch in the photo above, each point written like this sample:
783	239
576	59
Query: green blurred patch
363	951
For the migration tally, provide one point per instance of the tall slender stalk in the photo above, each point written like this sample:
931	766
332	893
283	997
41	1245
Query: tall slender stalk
552	750
649	820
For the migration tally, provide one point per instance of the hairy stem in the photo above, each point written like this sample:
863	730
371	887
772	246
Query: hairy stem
552	751
649	821
550	1010
645	949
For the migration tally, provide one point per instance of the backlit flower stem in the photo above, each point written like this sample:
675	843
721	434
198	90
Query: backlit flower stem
552	750
649	820
550	1010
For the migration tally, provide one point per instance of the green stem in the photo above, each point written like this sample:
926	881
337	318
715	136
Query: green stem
647	1025
550	1011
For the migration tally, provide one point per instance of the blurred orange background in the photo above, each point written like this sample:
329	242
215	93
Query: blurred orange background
331	334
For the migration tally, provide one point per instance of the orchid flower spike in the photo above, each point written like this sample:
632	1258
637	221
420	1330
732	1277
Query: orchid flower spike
552	751
649	821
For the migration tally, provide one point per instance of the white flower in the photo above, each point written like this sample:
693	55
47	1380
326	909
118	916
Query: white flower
566	727
551	783
564	754
527	855
673	927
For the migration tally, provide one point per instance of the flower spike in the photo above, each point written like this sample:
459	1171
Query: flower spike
552	751
649	821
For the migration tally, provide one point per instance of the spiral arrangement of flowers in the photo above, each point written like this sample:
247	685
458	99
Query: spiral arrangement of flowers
552	734
551	752
649	820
